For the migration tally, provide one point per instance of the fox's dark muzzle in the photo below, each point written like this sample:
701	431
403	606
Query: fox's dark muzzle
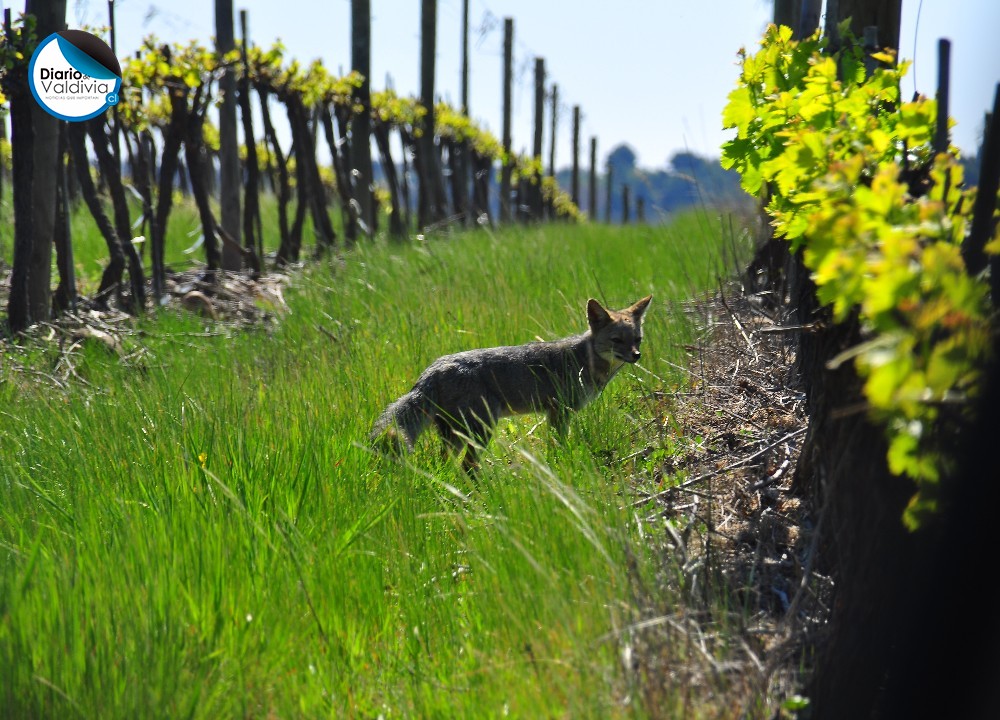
629	356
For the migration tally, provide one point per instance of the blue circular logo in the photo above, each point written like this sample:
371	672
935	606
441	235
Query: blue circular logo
74	75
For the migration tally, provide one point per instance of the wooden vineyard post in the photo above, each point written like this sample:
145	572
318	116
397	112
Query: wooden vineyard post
3	137
786	12
50	17
809	17
465	57
943	90
982	225
592	204
505	172
361	153
535	181
229	155
883	14
607	200
425	157
461	149
575	180
553	120
252	225
114	122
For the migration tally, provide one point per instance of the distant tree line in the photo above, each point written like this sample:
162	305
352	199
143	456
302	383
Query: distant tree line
687	181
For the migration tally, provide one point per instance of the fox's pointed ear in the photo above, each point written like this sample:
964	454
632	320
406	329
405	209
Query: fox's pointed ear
639	307
597	316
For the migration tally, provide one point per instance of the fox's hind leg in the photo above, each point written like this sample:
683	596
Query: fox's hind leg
392	442
470	432
478	435
559	419
479	431
450	434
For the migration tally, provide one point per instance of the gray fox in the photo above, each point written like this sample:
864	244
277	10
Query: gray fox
464	394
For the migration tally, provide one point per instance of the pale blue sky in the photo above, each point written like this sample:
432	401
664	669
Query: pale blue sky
654	74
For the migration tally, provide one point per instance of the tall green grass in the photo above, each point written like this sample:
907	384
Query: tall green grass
205	534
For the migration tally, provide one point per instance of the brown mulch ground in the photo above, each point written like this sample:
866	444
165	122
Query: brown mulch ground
231	301
719	507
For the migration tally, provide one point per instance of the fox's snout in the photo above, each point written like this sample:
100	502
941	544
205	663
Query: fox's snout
631	355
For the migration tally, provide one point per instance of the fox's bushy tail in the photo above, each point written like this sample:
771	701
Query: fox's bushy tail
401	423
